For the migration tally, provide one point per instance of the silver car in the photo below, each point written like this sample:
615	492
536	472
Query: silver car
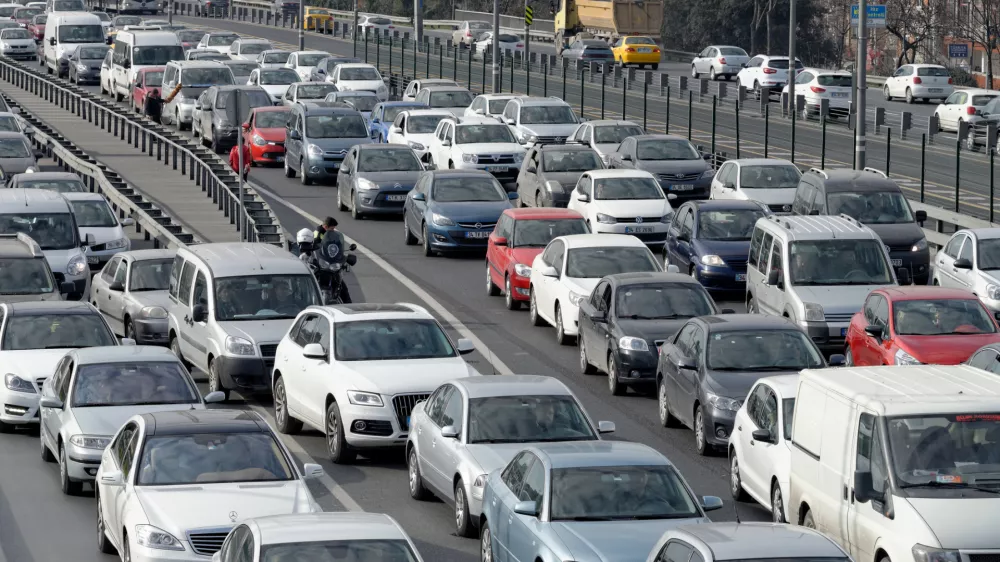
16	154
97	389
719	61
605	136
376	178
273	58
131	292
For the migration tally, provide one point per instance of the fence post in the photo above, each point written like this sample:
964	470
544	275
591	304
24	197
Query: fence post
645	95
604	77
992	155
666	119
715	105
736	115
958	165
923	150
690	104
625	97
545	76
767	126
888	149
822	150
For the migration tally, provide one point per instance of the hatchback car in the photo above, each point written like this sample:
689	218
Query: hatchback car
414	87
971	261
508	45
98	222
273	58
131	292
586	51
453	99
248	49
275	81
385	113
317	140
719	61
16	153
359	77
768	180
375	179
264	132
219	42
681	170
918	81
623	202
550	173
963	106
765	71
816	85
604	136
215	119
19	44
148	84
300	92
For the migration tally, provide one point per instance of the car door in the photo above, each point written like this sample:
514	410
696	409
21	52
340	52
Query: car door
582	190
719	189
705	61
418	207
528	186
198	331
689	380
553	288
768	296
951	113
504	499
684	248
522	536
318	376
679	350
760	454
498	257
116	299
293	147
866	522
945	260
344	175
744	426
59	417
52	388
443	451
183	310
120	495
964	277
588	328
874	348
100	288
426	428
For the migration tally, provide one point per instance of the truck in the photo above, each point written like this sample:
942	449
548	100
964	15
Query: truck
607	19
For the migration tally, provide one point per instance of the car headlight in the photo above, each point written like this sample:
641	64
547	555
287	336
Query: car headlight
441	220
31	170
606	158
79	67
518	158
708	173
723	403
115	244
920	246
153	537
665	219
628	343
382	90
814	312
239	346
315	150
923	553
712	260
993	291
522	270
528	138
98	442
366	185
904	358
259	140
477	486
17	384
76	265
359	398
153	312
606	219
470	158
575	298
415	145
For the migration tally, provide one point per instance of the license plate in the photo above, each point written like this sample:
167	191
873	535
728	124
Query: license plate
93	259
933	89
483	234
638	229
840	94
843	332
280	159
896	263
400	197
682	187
497	168
645	50
741	276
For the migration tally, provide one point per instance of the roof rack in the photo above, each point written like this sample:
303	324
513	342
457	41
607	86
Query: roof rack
876	171
33	247
820	172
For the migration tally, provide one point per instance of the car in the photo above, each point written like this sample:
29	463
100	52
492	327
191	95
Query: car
414	87
25	274
508	43
719	61
710	241
467	32
919	81
477	143
385	113
148	84
415	128
241	69
131	293
318	137
359	77
488	105
354	535
679	167
716	542
273	58
375	179
626	319
105	20
637	50
37	26
760	448
317	19
816	84
84	62
366	406
7	10
963	106
25	14
453	99
453	210
569	268
586	51
765	71
203	54
98	222
95	390
275	81
119	22
179	110
247	49
604	136
470	427
369	24
219	42
986	358
265	134
306	91
551	502
550	173
215	122
540	120
63	182
704	372
13	122
19	44
966	262
106	77
770	181
221	467
363	101
919	325
303	62
519	237
324	69
614	201
16	153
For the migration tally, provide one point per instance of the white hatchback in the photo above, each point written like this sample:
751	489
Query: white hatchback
766	180
815	85
623	202
963	105
918	81
509	43
415	128
359	77
765	71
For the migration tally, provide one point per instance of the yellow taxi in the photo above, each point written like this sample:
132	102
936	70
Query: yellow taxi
316	18
637	50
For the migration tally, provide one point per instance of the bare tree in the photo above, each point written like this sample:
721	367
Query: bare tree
913	22
981	28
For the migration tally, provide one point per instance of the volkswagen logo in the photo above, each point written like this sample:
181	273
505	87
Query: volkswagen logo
233	516
397	186
479	225
638	220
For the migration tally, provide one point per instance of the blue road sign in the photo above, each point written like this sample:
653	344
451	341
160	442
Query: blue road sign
875	15
958	51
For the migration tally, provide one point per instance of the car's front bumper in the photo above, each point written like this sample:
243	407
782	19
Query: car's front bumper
150	331
268	154
917	263
367	427
636	367
20	54
652	233
457	238
829	337
520	287
699	188
140	553
18	407
380	202
185	111
82	464
504	173
245	374
721	278
321	168
718	425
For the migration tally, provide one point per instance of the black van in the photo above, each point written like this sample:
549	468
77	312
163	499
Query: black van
875	200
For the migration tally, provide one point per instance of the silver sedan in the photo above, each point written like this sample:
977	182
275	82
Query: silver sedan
131	292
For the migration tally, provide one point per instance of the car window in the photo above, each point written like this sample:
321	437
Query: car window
187	279
755	244
513	475
776	263
954	245
983	359
307	326
534	484
108	273
120	273
452	412
200	294
966	253
675	551
870	457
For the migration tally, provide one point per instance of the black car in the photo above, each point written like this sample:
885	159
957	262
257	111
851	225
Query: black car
551	171
705	371
85	64
627	318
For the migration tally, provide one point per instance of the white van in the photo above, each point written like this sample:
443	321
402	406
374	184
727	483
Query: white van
64	31
64	6
136	49
899	463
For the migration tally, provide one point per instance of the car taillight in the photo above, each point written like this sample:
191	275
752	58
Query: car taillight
949	81
970	110
657	51
722	60
392	27
917	80
770	71
817	89
468	34
520	45
630	50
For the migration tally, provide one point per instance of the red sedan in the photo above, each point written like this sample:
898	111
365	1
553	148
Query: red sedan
520	235
147	84
25	15
264	131
919	325
37	26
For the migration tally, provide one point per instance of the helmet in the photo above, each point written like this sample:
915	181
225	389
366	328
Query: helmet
304	235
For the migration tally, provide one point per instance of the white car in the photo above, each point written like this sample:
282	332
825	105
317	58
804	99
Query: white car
765	71
95	217
918	81
275	81
770	181
816	84
477	143
371	22
219	42
95	390
509	44
415	128
301	92
273	58
569	268
623	202
604	136
355	371
759	453
967	262
303	62
362	77
414	87
105	21
467	32
963	105
344	535
488	105
719	61
173	484
453	99
107	73
248	49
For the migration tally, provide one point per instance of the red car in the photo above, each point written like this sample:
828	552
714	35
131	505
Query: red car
919	325
148	81
37	27
24	16
264	131
520	235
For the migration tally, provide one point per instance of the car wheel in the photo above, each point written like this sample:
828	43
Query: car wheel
47	455
69	487
304	178
463	522
561	336
909	96
289	172
6	427
694	72
508	295
735	482
126	550
175	347
416	481
428	250
666	418
756	90
103	544
491	288
700	438
340	202
752	306
613	386
336	444
848	357
539	201
711	74
408	238
486	544
215	380
809	523
885	93
536	319
656	66
355	213
586	367
129	329
777	504
283	419
971	140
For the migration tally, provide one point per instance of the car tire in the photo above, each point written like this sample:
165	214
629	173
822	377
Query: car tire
694	72
711	75
336	443
46	453
586	368
491	288
735	479
175	347
756	90
103	543
215	380
340	202
283	419
428	250
848	357
778	505
463	522
415	480
809	523
355	213
408	238
909	96
561	336
666	418
289	172
129	329
700	437
885	93
485	543
752	306
508	295
536	319
304	178
614	386
656	66
69	487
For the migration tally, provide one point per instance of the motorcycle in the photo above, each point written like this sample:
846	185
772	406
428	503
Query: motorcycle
331	276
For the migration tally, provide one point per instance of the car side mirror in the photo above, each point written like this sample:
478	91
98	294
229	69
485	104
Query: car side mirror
744	65
52	41
112	478
729	185
531	168
499	241
683	237
90	241
963	263
837	360
429	166
215	397
198	313
763	435
814	212
548	271
314	351
39	154
246	126
864	489
396	130
109	40
199	107
921	216
127	341
320	71
605	427
583	198
706	156
875	331
294	135
774	277
626	157
116	286
51	402
446	143
67	287
449	432
419	197
903	275
128	222
465	346
727	311
685	364
312	470
673	269
526	508
711	503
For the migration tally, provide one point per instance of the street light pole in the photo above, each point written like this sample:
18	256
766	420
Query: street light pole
860	63
170	13
496	46
793	73
302	25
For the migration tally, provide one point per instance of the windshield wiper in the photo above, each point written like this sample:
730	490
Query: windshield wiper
587	518
142	289
959	485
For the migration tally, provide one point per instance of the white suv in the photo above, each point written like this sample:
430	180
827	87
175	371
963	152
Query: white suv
355	372
918	81
416	128
815	84
765	71
540	120
477	143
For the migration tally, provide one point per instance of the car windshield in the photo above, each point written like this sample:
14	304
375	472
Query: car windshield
467	189
769	176
93	214
205	77
661	301
69	6
52	231
941	317
221	40
150	275
154	78
933	71
383	340
25	276
666	149
189	35
607	493
376	550
278	77
839	262
481	134
571	161
762	350
276	58
782	64
207	55
547	115
7	11
205	458
627	188
242	69
496	106
871	207
615	134
729	224
537	233
9	123
360	102
639	41
83	53
28	13
271	119
359	73
133	384
14	148
527	419
56	331
423	124
263	297
595	263
450	99
311	59
40	19
25	34
314	91
103	16
122	21
253	48
81	33
391	111
388	160
9	25
62	186
336	126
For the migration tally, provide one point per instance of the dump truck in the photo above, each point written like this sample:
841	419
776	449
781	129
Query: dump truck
607	19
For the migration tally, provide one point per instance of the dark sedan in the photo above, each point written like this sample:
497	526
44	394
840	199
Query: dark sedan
85	63
675	162
589	50
626	319
705	372
551	171
375	179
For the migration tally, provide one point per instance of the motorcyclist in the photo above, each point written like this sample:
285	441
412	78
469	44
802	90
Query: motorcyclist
330	249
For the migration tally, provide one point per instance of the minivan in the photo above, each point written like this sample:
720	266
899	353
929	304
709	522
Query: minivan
871	197
192	78
64	32
135	50
230	305
318	137
25	274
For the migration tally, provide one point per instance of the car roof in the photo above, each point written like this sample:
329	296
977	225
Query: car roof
142	255
310	53
245	40
123	354
272	109
827	71
198	63
785	384
326	526
12	134
821	227
83	196
758	540
382	146
33	308
19	245
728	204
644	277
609	122
47	176
356	65
982	233
541	213
512	385
844	179
433	81
618	173
497	96
601	241
428	112
228	259
565	148
742	322
186	422
599	453
762	162
980	91
445	88
404	103
374	311
537	100
459	174
927	292
659	137
37	200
